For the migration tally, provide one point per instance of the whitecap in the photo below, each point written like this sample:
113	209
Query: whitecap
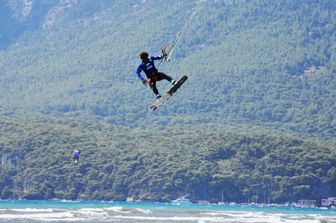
32	210
144	211
117	209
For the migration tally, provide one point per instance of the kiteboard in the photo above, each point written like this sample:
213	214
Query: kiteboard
169	93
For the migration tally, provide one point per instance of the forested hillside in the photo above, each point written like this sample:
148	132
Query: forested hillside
118	162
267	63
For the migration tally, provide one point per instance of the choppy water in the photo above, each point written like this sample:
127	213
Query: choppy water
84	211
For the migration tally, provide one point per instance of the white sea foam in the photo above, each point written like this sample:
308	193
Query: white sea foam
38	216
66	215
157	214
116	209
171	219
33	210
144	211
90	214
256	217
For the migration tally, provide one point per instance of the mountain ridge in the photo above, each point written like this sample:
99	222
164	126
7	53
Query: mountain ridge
246	62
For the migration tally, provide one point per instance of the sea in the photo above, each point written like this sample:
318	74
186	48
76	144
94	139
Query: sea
25	211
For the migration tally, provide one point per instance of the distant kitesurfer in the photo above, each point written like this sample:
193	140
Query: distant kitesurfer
75	155
152	74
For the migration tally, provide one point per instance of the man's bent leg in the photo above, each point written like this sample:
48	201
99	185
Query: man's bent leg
162	76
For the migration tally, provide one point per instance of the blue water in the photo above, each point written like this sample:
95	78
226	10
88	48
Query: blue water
23	211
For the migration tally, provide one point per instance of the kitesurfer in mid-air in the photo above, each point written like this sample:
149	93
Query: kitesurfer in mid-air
152	74
75	155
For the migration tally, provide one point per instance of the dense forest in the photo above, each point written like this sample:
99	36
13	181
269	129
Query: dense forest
118	162
264	63
255	122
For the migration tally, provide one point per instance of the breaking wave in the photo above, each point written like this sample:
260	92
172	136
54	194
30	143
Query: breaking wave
156	213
